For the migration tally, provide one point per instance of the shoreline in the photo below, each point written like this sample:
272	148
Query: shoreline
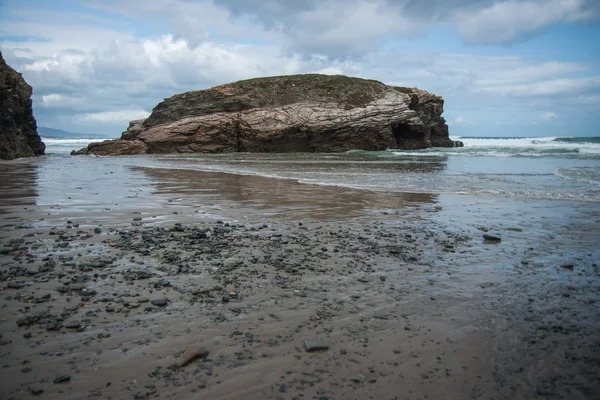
411	303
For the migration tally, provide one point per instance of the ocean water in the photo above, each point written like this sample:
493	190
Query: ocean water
551	168
62	147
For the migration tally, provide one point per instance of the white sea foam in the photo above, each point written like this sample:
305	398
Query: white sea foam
65	142
589	175
516	147
64	146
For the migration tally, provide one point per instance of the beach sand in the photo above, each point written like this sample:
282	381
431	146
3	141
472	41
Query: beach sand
112	277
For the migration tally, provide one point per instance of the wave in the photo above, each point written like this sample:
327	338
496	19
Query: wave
71	141
578	139
62	147
589	175
551	146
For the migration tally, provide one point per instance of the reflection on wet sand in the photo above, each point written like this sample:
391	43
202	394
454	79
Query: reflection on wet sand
280	197
102	188
18	184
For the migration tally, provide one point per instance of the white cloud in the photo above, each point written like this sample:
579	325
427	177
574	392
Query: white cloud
113	116
506	21
51	99
342	27
548	115
546	87
94	68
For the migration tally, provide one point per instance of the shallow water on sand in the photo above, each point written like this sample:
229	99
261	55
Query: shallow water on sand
285	186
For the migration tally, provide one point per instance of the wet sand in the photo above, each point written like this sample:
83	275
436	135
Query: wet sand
109	278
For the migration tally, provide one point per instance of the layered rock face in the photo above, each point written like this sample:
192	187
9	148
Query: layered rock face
18	129
297	113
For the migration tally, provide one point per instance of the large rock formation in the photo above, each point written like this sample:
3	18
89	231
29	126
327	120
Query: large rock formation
316	113
18	130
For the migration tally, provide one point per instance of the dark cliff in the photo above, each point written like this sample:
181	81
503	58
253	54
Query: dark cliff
18	130
296	113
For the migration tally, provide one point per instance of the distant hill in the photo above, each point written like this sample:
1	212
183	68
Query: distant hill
59	133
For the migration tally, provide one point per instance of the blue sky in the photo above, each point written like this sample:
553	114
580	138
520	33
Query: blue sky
504	67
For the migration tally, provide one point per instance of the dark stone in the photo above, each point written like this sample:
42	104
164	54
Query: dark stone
161	283
62	378
491	238
36	391
15	285
73	325
315	345
159	302
87	292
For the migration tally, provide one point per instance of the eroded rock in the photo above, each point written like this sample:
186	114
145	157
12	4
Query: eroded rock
296	113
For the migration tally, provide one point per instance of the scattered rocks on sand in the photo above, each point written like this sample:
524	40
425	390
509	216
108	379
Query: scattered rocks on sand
269	298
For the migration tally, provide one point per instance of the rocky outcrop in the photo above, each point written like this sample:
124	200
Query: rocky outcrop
297	113
18	130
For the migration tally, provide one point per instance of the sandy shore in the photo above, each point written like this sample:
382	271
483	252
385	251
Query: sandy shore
105	302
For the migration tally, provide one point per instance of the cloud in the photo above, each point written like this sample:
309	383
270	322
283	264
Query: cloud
133	53
508	21
351	27
548	115
546	87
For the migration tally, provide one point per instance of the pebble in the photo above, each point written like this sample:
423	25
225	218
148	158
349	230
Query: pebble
159	302
491	238
315	345
191	354
73	325
36	391
62	378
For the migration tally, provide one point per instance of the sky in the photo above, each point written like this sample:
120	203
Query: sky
504	67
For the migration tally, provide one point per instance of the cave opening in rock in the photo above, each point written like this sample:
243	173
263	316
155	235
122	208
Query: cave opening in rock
403	132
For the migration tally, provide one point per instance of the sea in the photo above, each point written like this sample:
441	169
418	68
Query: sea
549	168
